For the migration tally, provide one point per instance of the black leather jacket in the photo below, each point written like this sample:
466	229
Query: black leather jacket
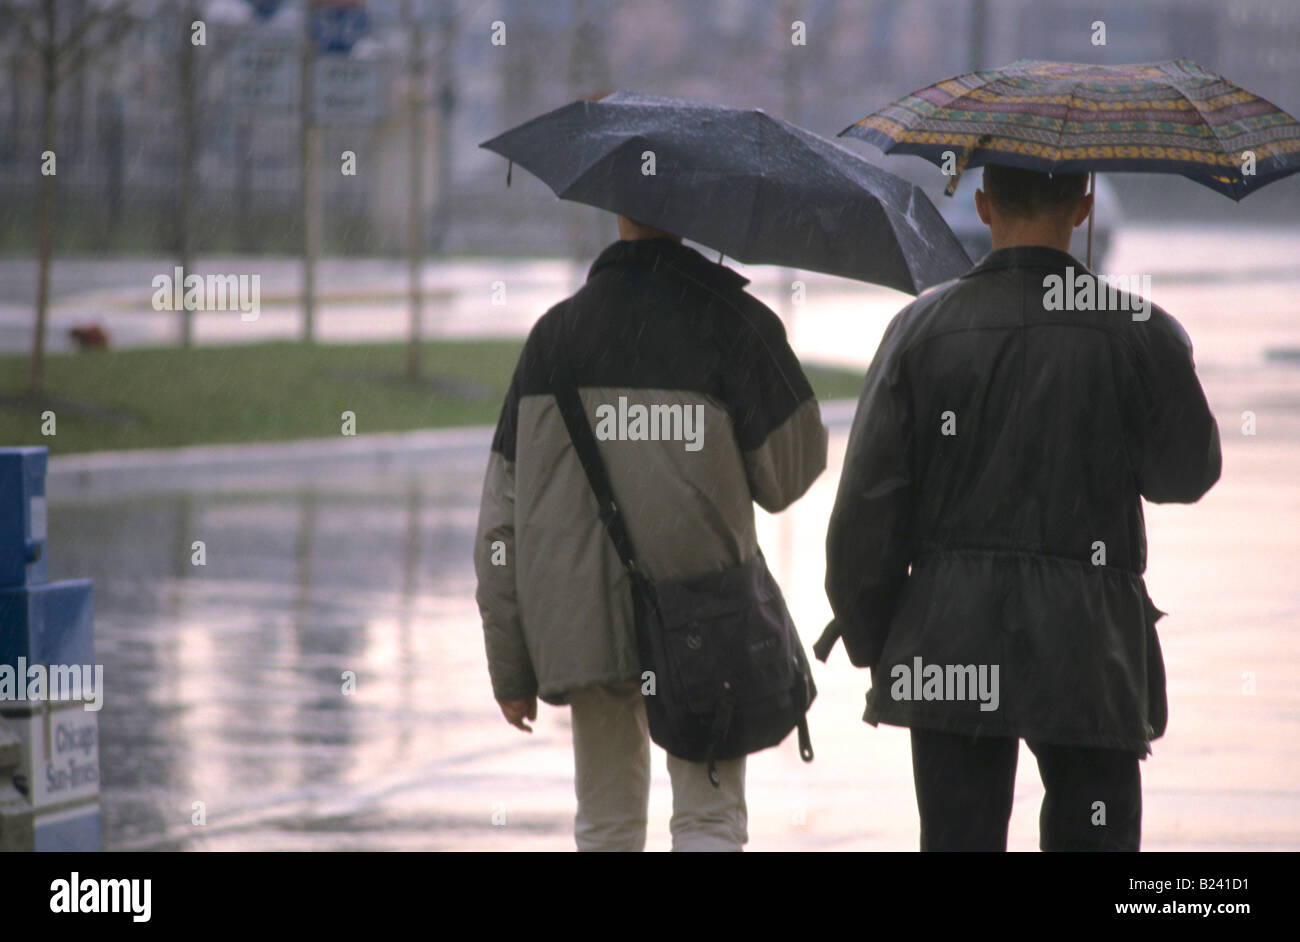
989	511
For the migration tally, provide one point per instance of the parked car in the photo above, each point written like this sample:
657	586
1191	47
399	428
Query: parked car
959	211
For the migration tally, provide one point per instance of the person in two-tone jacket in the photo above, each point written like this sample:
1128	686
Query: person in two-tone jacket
986	550
700	410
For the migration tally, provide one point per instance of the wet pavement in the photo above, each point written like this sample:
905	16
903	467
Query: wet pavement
225	681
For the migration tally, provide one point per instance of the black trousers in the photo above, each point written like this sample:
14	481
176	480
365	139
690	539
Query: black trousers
964	789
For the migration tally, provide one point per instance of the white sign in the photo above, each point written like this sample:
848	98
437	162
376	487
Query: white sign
60	754
348	89
264	73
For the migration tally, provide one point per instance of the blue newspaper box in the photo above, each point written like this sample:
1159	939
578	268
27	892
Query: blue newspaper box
50	687
22	516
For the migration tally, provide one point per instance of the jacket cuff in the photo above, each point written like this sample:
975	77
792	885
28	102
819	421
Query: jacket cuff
502	694
858	643
823	646
861	646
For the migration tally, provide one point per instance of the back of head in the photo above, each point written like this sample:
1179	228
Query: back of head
632	229
1028	194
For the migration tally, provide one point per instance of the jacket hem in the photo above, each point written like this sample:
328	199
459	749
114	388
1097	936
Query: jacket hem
1055	737
557	694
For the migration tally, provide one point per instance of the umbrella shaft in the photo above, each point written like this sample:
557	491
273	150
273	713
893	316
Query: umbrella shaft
1092	211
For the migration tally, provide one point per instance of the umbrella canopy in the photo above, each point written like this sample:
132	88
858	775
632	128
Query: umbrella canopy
1063	117
749	185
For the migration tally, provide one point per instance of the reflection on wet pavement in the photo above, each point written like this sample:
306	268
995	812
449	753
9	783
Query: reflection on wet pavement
225	680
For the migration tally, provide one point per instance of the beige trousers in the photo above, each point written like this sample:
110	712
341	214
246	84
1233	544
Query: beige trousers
611	750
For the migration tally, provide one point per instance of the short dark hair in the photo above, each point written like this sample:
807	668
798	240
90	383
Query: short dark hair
1028	193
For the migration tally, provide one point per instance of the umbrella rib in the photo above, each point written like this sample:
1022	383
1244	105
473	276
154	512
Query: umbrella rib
593	165
1218	139
902	254
896	246
852	183
792	133
792	130
961	100
1065	121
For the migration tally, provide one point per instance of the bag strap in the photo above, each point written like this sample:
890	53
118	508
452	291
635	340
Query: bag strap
584	443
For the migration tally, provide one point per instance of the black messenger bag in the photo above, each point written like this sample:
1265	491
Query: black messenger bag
730	675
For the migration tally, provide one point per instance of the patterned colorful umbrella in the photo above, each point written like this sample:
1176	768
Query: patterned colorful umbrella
1063	117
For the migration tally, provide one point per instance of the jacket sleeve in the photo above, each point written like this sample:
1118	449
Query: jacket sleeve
509	664
868	542
777	420
1173	440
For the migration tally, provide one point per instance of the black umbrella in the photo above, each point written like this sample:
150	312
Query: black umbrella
749	185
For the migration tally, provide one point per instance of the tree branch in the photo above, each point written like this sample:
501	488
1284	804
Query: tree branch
116	18
25	17
73	54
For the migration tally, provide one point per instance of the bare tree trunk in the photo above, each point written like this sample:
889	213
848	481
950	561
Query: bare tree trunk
415	158
98	29
588	77
244	184
979	16
10	142
45	250
446	100
114	146
310	150
189	140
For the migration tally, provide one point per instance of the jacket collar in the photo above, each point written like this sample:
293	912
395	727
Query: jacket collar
1027	256
650	253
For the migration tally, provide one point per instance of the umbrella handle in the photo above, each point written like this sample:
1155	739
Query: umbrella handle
966	154
1092	210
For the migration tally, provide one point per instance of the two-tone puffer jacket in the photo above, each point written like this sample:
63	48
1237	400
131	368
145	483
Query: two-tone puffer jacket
700	410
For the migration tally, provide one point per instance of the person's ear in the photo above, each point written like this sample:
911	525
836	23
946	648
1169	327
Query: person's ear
982	207
1083	210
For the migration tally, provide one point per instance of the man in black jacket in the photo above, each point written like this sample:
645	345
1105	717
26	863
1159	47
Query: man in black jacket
986	550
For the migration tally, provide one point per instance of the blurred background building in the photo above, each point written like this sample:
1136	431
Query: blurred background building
123	177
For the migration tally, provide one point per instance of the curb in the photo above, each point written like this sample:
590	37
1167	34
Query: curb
230	467
234	467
